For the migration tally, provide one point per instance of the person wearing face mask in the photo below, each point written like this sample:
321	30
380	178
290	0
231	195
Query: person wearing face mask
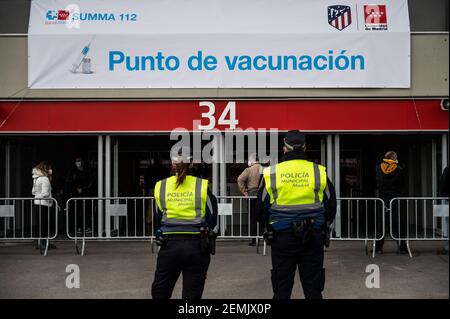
78	184
390	184
42	191
248	183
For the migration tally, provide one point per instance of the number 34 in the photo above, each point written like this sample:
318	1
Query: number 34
229	111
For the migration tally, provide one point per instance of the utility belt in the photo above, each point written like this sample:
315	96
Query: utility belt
208	240
303	230
206	237
183	237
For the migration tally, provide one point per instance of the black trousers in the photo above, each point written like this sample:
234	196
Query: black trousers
253	221
290	254
81	214
43	218
180	256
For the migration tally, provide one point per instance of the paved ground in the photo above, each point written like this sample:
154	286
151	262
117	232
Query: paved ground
125	270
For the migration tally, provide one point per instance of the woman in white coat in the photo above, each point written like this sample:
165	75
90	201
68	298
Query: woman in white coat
42	192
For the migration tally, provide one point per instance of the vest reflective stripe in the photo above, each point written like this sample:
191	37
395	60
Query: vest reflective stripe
198	198
273	182
296	185
162	196
182	205
316	183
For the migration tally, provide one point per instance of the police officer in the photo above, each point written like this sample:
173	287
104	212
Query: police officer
297	203
186	213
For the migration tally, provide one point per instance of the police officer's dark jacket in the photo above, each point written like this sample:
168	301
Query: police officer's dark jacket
318	202
185	208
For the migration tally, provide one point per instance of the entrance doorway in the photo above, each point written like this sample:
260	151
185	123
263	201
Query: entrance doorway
144	160
25	152
418	154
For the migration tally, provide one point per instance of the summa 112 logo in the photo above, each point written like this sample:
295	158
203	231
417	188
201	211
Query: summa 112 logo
57	16
61	16
375	17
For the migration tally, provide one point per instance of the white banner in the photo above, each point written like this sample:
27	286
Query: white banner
219	44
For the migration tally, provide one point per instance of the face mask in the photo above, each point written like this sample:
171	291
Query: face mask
50	171
78	164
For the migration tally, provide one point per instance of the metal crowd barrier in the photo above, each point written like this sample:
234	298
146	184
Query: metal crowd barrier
131	218
359	219
109	218
419	218
235	219
29	219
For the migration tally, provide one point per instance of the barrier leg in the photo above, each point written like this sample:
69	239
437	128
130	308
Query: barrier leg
151	243
83	247
264	248
373	248
46	247
409	249
257	244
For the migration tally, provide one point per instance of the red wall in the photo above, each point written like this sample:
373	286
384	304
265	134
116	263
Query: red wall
148	116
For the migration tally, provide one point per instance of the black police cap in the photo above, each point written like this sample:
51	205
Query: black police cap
294	139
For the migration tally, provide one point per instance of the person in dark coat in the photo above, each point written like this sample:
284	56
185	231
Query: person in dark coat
78	180
79	185
390	184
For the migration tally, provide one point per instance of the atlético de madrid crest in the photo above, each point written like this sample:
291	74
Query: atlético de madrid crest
339	16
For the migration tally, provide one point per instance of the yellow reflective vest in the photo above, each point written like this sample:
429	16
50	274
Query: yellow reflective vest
182	205
296	186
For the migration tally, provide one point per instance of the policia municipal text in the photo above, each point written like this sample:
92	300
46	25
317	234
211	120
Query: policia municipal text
186	213
296	203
